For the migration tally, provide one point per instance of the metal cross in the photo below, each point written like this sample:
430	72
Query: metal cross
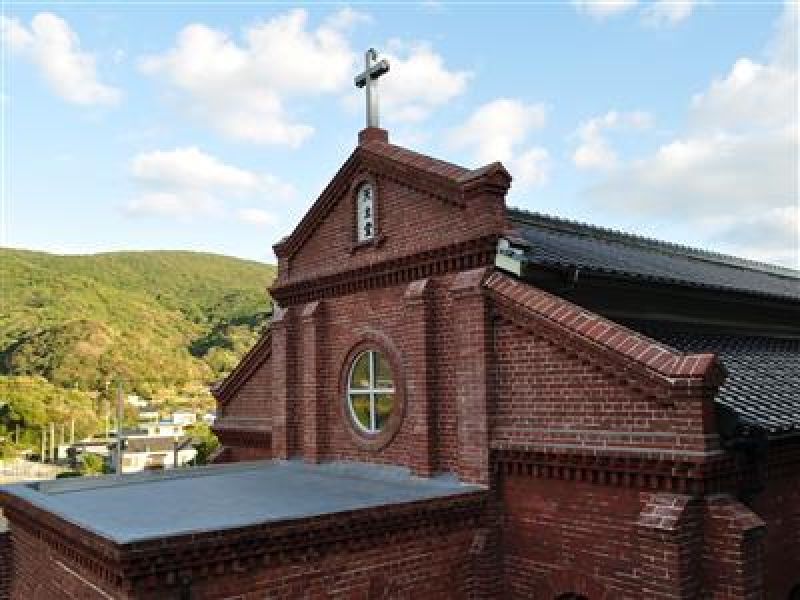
369	79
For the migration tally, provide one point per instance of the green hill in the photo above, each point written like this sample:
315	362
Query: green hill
160	320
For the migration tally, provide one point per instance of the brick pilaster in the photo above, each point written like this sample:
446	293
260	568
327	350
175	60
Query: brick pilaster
283	407
313	377
419	382
669	531
734	550
471	318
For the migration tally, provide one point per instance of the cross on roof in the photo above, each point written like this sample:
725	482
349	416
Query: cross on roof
369	80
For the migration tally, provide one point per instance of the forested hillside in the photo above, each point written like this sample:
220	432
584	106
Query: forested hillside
163	321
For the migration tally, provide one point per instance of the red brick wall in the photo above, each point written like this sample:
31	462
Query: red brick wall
779	506
384	316
431	567
733	560
5	564
545	395
254	398
565	536
244	423
414	323
562	534
40	573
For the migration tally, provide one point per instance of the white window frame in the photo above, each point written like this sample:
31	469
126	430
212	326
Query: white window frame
371	390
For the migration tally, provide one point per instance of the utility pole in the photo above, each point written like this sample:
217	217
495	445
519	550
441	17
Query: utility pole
72	431
120	414
52	442
44	444
62	434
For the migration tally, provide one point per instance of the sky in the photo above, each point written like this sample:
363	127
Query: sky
214	126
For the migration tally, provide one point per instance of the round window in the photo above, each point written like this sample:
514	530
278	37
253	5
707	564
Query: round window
370	391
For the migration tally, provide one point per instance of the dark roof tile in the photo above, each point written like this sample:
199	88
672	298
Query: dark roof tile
763	382
558	242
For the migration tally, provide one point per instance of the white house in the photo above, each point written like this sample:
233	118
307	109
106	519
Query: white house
184	417
152	453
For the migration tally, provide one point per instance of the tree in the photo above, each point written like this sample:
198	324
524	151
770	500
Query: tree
93	464
204	441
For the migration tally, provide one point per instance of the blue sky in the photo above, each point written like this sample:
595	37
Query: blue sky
214	126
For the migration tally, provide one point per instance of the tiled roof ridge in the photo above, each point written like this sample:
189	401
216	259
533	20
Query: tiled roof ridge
637	347
607	233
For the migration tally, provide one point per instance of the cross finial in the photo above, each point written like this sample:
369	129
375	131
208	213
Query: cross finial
369	80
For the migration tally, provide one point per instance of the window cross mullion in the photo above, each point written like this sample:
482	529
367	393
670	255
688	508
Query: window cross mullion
372	391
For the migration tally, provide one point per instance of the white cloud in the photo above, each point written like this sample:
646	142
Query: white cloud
753	95
772	235
500	130
706	175
241	88
54	48
531	168
244	88
601	9
594	151
256	216
189	167
179	204
187	182
782	49
495	128
418	82
735	162
668	12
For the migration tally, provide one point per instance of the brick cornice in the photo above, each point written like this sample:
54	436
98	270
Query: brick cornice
243	437
469	254
89	551
197	556
586	333
674	472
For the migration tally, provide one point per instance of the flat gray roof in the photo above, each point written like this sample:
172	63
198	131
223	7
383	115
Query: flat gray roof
148	505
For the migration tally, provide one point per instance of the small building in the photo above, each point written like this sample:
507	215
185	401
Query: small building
149	413
184	417
159	428
136	401
153	453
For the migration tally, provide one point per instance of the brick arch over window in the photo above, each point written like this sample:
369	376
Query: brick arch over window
572	585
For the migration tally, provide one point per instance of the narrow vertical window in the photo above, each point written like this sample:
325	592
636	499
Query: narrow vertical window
365	217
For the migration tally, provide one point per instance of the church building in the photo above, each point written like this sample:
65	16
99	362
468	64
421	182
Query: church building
456	399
